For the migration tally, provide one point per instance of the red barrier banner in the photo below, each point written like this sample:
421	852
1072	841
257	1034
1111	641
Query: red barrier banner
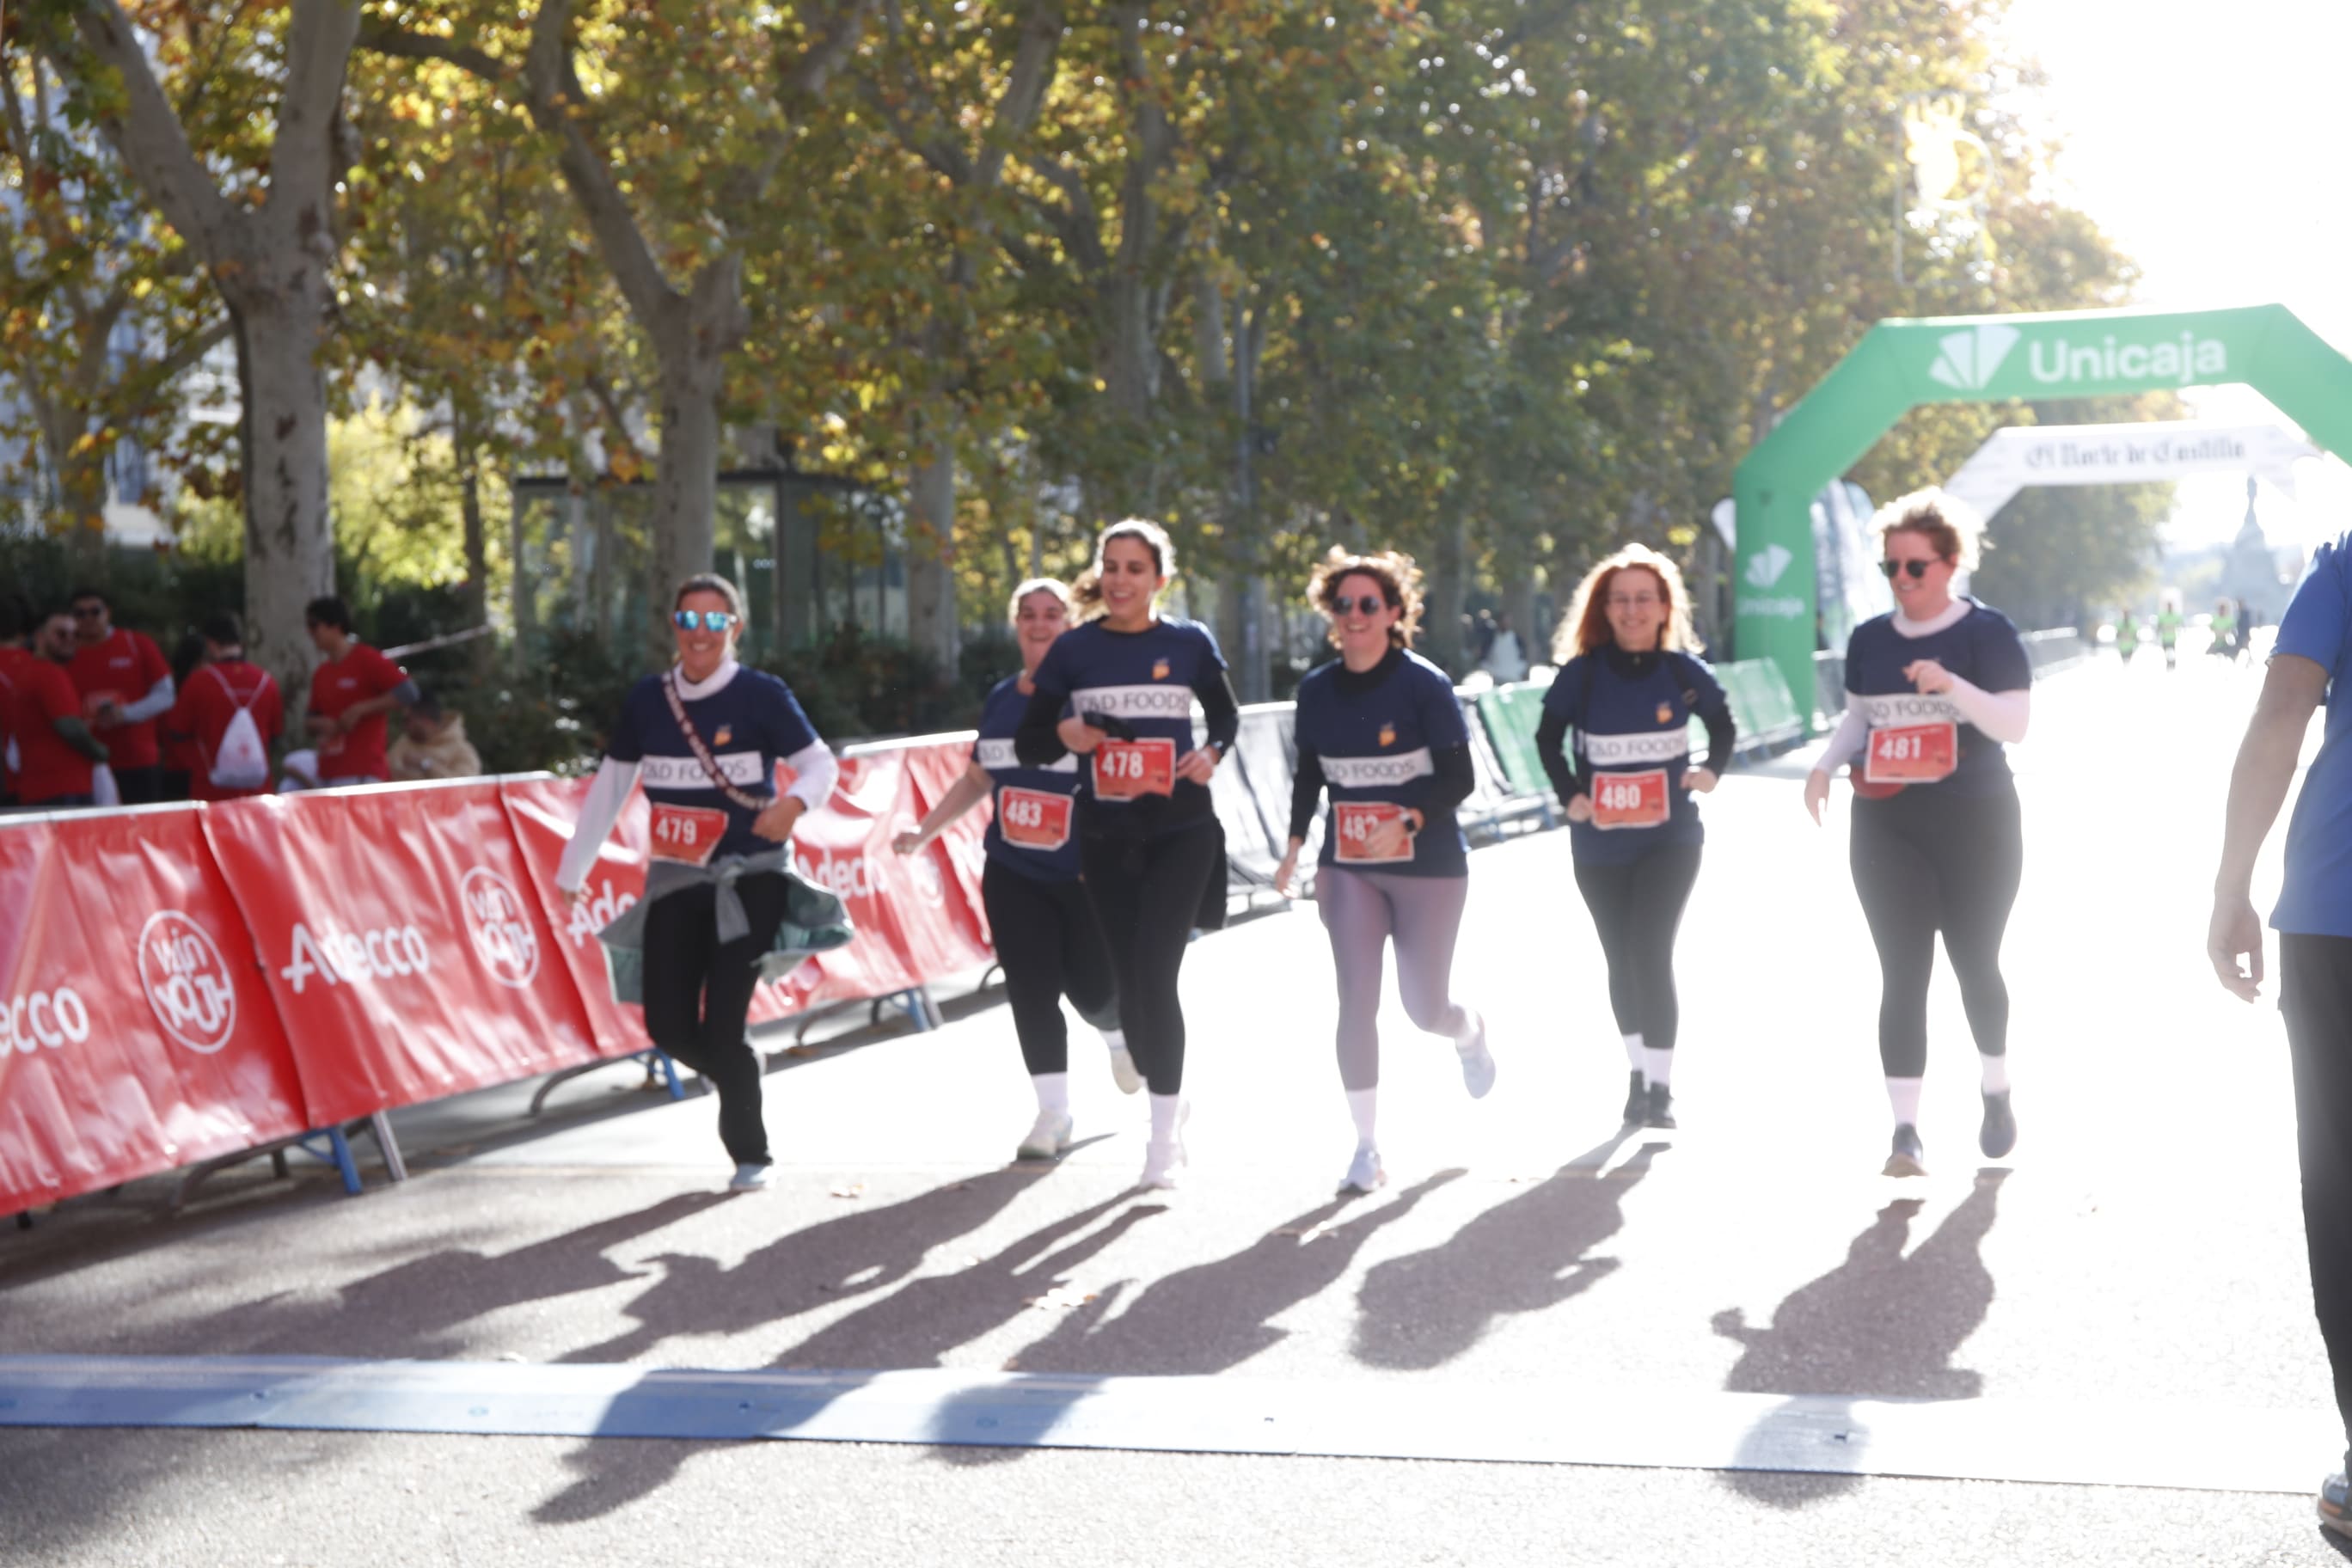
397	934
963	846
543	811
136	1034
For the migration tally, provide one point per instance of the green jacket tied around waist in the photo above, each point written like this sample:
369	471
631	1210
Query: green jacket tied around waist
815	920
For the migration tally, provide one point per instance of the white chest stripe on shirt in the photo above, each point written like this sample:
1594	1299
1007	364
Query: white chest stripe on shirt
743	769
1371	772
1158	701
1898	707
998	757
1649	746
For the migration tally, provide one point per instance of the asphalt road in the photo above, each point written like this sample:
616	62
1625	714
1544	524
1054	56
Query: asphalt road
2139	1259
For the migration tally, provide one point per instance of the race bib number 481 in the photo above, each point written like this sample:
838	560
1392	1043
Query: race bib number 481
1912	753
687	833
1630	800
1033	819
1129	770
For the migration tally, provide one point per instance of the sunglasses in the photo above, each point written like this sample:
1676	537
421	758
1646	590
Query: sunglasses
1369	605
715	620
1918	569
89	612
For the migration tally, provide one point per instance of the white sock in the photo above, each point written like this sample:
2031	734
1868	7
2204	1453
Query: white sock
1996	1073
1473	1031
1657	1065
1360	1104
1634	1054
1903	1094
1163	1116
1052	1090
1115	1039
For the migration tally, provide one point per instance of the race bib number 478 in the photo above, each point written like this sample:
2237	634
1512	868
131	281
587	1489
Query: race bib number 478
1127	770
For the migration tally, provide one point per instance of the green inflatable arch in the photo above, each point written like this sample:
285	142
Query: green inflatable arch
1899	364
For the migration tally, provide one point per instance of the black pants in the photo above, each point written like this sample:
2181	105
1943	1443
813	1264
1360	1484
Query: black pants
1636	909
1147	894
140	786
2316	995
1048	941
1924	862
698	992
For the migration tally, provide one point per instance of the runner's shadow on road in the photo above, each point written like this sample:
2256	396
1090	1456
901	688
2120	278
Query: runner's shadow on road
1524	1254
1883	1324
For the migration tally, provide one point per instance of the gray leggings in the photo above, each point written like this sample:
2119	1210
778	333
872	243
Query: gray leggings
1363	910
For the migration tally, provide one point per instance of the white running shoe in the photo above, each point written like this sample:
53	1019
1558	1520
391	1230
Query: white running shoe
752	1178
1048	1138
1478	1061
1164	1162
1122	1070
1365	1172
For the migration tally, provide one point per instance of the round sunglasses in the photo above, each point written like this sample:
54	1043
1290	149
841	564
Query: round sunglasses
1369	605
688	620
1918	569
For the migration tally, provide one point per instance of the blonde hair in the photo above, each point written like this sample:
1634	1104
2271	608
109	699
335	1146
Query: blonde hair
1085	593
1053	585
1400	581
1586	625
1950	525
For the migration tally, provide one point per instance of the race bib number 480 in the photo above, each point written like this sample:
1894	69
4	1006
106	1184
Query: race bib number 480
1630	800
687	833
1912	753
1033	819
1355	823
1129	770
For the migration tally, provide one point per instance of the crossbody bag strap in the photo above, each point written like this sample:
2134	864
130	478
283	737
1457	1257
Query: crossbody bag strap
725	785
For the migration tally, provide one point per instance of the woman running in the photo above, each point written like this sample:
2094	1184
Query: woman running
1148	844
704	737
1045	932
1624	697
1380	728
1933	691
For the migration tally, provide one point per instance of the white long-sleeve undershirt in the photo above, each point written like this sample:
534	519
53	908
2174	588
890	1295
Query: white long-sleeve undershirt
2003	716
154	705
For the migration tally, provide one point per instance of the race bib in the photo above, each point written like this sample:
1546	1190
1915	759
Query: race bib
1033	819
1912	753
1356	821
687	833
1129	770
1630	800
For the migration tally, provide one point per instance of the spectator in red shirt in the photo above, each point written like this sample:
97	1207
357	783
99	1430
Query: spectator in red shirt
349	695
221	687
125	687
15	632
55	749
180	764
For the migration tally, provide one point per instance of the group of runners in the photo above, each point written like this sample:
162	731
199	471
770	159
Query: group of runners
1104	851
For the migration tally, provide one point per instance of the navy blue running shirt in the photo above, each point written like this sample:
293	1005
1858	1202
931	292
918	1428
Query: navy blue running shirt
1030	794
751	723
1146	680
1629	714
1376	744
1982	648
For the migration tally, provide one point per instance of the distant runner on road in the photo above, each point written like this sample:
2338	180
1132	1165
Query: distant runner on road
2311	663
1381	729
1933	691
1046	936
1623	701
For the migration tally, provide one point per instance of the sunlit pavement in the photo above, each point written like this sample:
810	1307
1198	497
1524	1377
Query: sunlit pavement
2137	1262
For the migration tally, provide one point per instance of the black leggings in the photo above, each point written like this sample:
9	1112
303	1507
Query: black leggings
2316	995
1050	946
1636	909
1924	862
698	992
1146	892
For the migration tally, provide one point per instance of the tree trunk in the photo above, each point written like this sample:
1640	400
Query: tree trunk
1519	605
1442	616
476	596
685	479
931	558
289	550
522	589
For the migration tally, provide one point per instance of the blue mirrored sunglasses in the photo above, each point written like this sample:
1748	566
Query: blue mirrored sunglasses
716	620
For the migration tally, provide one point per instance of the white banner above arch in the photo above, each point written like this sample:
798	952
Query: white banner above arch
2026	454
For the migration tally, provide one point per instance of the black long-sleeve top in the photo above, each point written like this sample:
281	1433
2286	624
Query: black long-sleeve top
1568	779
1142	685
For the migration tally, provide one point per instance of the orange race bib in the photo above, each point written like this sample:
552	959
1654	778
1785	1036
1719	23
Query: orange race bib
1033	819
1355	822
1630	800
686	833
1129	770
1912	753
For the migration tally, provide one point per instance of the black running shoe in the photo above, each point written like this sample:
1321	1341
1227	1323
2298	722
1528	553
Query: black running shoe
1998	1134
1659	1111
2336	1504
1637	1100
1907	1158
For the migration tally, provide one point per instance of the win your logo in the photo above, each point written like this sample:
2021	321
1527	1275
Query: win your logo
1966	361
1765	567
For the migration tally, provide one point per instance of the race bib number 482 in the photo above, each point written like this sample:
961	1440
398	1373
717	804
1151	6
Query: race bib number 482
1356	821
687	833
1129	770
1033	819
1630	800
1912	753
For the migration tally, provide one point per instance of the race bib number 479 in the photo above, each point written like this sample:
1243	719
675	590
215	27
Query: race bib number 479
1630	800
1912	753
687	833
1129	770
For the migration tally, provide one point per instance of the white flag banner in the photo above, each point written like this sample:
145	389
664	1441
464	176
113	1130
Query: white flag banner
2027	454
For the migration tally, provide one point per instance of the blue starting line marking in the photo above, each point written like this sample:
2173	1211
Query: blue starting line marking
2200	1448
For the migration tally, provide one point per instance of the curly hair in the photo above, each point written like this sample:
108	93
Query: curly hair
1950	525
1586	625
1400	581
1053	585
1085	593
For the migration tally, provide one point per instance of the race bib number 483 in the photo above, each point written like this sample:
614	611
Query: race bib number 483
687	833
1033	819
1630	800
1912	753
1129	770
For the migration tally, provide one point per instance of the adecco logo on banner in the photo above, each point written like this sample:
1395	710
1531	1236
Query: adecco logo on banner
1966	360
589	916
52	1018
346	958
500	928
187	981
